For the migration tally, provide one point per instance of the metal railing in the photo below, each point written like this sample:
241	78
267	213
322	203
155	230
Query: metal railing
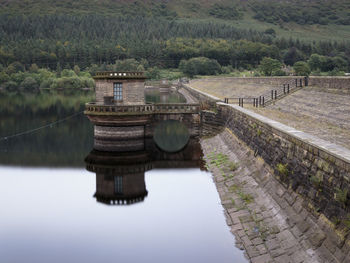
268	97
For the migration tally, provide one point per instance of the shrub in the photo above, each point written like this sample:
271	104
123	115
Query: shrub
153	73
200	66
268	66
46	84
33	68
279	72
227	69
67	83
127	65
4	77
18	66
301	68
10	85
76	70
19	77
87	83
282	168
68	73
29	83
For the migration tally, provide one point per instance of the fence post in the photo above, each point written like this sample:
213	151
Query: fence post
288	88
296	82
275	94
284	88
242	102
259	100
301	82
263	101
271	94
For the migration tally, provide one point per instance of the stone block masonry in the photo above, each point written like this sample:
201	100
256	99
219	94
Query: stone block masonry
133	91
313	170
269	222
211	123
337	83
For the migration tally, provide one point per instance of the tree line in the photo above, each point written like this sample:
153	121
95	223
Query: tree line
57	51
64	41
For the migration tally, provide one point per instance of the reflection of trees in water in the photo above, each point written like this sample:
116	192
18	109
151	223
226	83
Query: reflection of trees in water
42	102
171	135
154	96
64	144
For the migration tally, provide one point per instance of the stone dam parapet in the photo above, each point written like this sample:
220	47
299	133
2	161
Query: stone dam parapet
315	169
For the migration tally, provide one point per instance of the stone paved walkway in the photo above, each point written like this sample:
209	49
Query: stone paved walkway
320	113
324	113
230	88
269	221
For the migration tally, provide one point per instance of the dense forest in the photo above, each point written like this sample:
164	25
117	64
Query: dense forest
273	11
93	36
302	12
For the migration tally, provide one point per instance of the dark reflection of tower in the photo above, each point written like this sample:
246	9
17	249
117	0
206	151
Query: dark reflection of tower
120	177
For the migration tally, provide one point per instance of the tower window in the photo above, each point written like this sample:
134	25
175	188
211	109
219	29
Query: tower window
118	91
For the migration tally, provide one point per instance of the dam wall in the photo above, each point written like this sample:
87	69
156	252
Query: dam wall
314	169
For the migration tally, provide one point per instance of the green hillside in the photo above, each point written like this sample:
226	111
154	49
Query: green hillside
306	20
236	33
272	11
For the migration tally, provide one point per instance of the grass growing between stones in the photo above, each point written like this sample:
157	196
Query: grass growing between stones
233	166
219	159
222	161
282	169
247	198
341	195
315	181
240	196
346	221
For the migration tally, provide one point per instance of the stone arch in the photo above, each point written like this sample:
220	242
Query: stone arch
190	120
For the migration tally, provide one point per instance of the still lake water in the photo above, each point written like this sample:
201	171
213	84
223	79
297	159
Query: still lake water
49	211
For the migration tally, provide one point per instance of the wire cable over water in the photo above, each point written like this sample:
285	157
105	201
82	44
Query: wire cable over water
39	128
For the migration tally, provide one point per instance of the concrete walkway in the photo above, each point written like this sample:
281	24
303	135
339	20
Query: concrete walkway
269	221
